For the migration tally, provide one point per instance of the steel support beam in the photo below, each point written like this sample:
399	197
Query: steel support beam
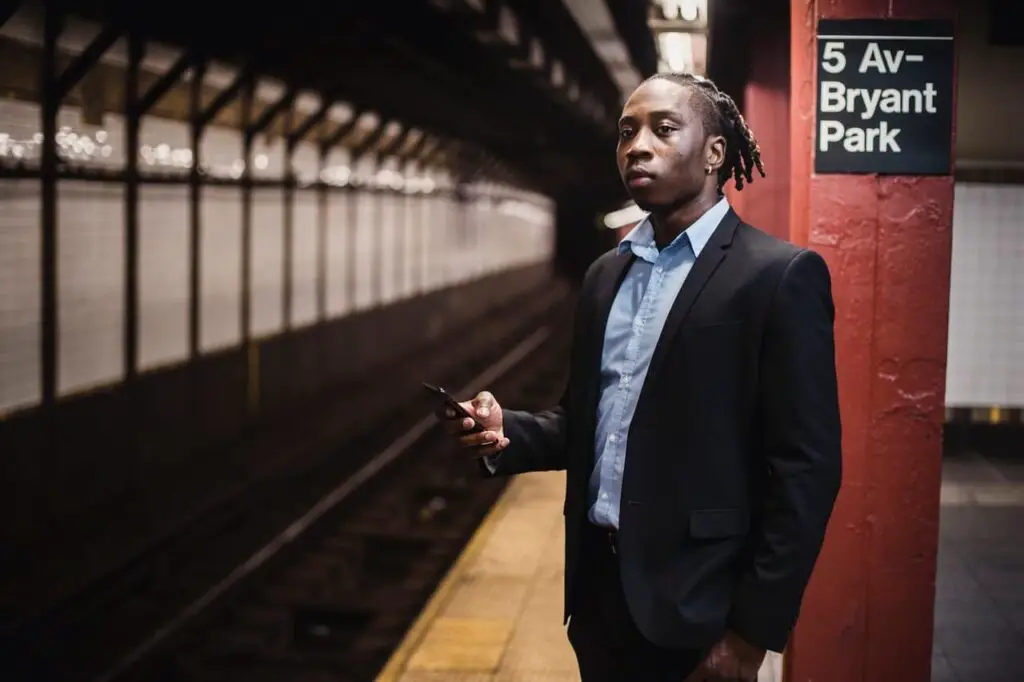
223	98
350	247
294	136
49	87
195	195
401	206
418	240
273	111
358	152
79	68
392	147
416	150
289	205
136	49
343	130
245	85
440	145
166	82
300	132
321	237
364	147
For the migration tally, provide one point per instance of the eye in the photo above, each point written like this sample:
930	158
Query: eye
625	132
665	129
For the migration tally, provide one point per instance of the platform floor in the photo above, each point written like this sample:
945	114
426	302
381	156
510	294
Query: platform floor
497	615
979	601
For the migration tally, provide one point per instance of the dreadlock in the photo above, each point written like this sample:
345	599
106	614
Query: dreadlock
722	117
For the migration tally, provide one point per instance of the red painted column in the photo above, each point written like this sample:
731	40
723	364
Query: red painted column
867	615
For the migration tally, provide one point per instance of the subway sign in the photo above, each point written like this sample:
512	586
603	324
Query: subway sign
885	97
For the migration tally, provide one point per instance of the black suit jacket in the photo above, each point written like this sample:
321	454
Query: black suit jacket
733	460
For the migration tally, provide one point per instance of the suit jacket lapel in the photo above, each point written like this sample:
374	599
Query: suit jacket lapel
706	264
606	287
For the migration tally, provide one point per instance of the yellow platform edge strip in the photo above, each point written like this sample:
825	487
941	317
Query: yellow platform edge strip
396	665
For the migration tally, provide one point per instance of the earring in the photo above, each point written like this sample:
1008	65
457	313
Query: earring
708	170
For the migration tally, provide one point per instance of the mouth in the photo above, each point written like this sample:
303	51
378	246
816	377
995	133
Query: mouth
639	177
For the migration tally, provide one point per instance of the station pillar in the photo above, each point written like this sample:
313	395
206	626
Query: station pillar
868	612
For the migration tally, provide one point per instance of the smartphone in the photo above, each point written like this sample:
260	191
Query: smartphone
442	395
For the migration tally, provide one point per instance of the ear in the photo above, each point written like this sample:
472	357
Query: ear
714	152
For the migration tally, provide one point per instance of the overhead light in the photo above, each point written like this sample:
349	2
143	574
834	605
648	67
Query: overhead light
536	54
624	216
676	50
687	10
508	26
557	73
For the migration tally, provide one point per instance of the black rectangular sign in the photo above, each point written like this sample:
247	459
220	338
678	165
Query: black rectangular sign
885	96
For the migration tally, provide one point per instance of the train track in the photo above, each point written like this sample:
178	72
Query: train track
317	573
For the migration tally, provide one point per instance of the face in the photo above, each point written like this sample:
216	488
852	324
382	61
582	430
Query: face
663	150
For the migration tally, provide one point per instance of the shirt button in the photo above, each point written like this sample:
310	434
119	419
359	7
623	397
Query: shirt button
604	496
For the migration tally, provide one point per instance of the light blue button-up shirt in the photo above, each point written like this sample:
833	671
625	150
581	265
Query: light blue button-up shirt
634	324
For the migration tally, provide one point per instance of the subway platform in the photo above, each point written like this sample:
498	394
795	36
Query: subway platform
496	617
497	614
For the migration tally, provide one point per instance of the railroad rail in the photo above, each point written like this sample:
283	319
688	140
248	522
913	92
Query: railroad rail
316	569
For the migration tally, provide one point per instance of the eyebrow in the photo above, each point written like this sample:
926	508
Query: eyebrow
658	113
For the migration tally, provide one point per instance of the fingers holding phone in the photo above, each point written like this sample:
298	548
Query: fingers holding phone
476	423
486	412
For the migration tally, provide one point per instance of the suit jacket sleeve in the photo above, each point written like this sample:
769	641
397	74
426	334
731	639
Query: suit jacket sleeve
801	439
536	442
540	441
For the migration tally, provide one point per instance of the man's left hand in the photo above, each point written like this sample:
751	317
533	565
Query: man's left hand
730	660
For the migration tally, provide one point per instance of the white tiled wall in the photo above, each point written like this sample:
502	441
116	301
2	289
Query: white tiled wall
90	285
367	207
163	275
986	307
220	268
339	213
267	271
305	255
19	294
426	236
389	240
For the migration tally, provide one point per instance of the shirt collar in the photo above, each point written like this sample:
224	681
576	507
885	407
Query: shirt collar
640	239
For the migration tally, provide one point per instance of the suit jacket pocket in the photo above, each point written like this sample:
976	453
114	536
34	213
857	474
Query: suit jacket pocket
718	523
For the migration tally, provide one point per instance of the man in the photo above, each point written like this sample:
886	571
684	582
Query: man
700	426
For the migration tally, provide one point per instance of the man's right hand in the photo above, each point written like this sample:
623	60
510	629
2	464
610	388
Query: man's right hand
487	411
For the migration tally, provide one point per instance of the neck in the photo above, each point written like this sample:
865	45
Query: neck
674	220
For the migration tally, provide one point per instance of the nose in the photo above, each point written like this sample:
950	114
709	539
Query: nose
640	146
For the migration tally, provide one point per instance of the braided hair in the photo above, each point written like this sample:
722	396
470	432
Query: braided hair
722	117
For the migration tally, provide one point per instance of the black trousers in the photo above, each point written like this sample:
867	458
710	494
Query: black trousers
608	645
